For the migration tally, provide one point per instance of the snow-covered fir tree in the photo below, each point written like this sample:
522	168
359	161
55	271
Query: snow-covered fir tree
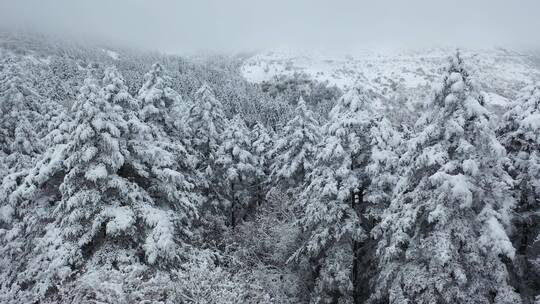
444	237
116	92
261	144
107	225
520	134
334	202
20	108
237	168
382	172
159	103
383	169
295	150
207	122
159	148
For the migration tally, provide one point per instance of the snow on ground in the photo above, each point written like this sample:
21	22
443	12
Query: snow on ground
114	55
499	72
495	99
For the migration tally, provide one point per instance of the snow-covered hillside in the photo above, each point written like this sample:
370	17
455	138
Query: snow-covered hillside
500	73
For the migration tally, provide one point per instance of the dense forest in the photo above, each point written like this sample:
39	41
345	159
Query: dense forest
151	178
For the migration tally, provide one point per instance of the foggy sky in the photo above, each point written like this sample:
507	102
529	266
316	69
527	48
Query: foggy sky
246	25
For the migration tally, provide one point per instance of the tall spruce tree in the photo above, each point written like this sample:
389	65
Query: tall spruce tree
109	226
333	202
237	168
22	124
261	145
207	122
382	172
294	152
443	238
160	104
159	147
520	134
383	169
117	93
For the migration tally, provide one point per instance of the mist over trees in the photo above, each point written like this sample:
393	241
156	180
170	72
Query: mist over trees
162	179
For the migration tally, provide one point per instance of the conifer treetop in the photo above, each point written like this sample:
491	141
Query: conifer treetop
522	120
115	90
295	150
454	197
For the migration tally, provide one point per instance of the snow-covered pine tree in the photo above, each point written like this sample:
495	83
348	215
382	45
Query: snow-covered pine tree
116	92
381	173
520	134
91	154
160	161
261	144
160	154
27	117
237	168
160	104
443	238
383	170
22	123
25	120
295	149
333	202
107	229
207	122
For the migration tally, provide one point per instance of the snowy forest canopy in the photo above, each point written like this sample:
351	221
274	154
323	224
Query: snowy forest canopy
146	178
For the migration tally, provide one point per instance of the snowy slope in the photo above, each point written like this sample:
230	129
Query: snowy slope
500	73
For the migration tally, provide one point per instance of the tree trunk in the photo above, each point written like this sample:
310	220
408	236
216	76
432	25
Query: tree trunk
356	259
315	273
355	248
259	193
336	295
233	205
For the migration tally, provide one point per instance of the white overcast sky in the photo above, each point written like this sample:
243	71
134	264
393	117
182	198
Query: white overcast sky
245	25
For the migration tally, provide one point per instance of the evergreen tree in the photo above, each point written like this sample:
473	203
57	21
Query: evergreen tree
237	167
207	122
22	122
444	234
116	92
261	145
159	147
334	200
294	152
520	134
381	172
383	169
160	104
107	223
